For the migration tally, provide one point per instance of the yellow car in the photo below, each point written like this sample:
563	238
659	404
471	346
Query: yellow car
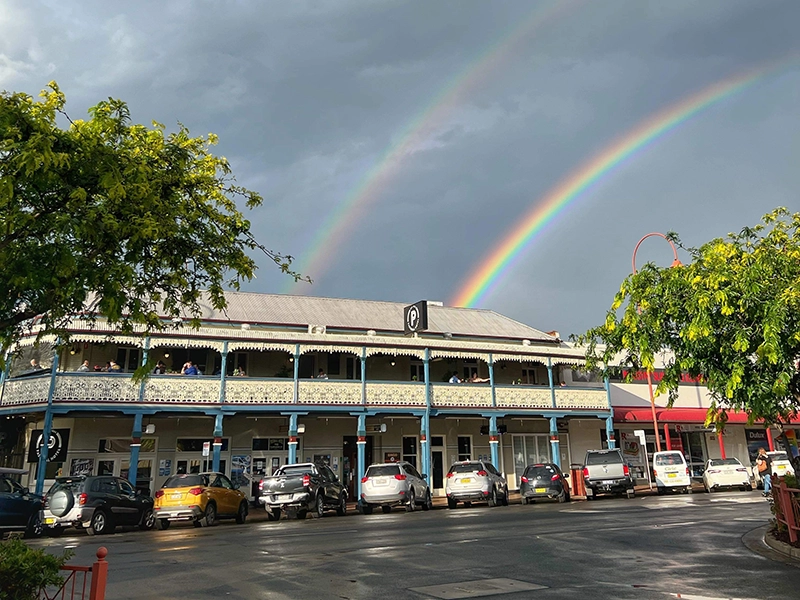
199	497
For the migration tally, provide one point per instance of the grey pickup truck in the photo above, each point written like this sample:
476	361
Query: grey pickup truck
298	489
604	471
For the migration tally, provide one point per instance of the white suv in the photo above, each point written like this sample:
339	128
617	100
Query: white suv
394	484
475	481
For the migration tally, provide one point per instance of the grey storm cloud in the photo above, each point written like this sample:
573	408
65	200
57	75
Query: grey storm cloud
309	96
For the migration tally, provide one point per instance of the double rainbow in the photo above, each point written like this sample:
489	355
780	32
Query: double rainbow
504	256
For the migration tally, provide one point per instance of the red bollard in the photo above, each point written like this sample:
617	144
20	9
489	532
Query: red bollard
99	575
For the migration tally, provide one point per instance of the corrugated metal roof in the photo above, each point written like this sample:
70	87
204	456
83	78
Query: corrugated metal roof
363	315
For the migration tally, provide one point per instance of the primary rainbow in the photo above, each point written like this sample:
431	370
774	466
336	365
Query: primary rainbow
346	214
502	258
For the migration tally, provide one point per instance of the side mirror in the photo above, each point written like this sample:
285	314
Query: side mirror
424	475
26	491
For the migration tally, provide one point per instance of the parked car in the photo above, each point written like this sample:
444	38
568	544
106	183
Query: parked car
605	472
542	481
99	504
300	488
475	481
201	498
723	473
394	484
781	464
670	472
19	509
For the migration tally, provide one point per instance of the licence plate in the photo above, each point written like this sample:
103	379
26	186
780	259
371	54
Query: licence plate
541	490
382	481
465	480
781	468
49	521
175	496
672	474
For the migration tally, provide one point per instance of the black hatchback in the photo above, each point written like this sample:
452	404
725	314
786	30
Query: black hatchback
19	509
543	481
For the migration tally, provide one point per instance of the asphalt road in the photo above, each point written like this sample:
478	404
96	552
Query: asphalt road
648	547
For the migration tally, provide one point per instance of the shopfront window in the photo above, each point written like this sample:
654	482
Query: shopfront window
529	450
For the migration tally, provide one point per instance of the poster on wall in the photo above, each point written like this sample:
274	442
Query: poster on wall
631	448
164	467
391	457
58	445
756	438
81	466
322	459
240	470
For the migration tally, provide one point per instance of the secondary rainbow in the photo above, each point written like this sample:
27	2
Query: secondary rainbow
345	216
556	200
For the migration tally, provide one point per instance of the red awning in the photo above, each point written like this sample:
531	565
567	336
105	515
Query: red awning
625	414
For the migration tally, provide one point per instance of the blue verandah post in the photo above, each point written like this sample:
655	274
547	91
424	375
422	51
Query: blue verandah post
136	443
293	438
217	442
47	429
426	420
494	440
361	444
555	446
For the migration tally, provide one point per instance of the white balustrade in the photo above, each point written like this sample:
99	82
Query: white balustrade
572	398
244	390
181	389
28	390
95	388
330	392
464	395
521	396
396	394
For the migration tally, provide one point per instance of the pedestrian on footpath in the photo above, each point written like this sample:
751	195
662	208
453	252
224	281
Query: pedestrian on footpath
764	466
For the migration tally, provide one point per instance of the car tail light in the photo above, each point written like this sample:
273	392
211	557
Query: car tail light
687	471
586	472
486	493
523	479
196	491
481	473
82	499
626	470
449	475
306	480
400	477
554	477
260	485
364	479
159	493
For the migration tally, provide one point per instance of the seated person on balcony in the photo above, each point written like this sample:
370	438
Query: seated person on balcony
189	369
476	379
113	367
454	378
84	366
563	384
160	369
321	375
35	366
239	372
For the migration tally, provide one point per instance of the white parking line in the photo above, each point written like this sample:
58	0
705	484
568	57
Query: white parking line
696	597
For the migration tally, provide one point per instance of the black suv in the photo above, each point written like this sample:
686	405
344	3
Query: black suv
99	504
19	509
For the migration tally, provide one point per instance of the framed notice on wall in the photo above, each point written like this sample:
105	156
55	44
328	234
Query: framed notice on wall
81	466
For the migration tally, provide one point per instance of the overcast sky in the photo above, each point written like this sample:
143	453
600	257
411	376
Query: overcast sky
502	99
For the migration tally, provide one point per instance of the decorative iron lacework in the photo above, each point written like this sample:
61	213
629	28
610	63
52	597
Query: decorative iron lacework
32	390
461	395
572	398
327	391
174	389
243	390
260	347
91	388
413	352
520	396
392	394
484	356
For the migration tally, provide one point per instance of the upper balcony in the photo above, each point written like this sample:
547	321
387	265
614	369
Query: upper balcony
158	391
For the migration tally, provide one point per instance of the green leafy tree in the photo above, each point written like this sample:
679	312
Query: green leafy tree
25	572
126	219
731	316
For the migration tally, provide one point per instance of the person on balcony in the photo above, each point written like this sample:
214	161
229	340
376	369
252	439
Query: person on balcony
160	369
321	375
113	367
189	369
84	368
476	379
454	378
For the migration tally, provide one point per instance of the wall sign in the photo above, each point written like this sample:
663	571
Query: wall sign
57	446
415	317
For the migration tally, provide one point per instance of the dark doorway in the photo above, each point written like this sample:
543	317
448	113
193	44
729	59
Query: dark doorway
350	462
437	458
306	368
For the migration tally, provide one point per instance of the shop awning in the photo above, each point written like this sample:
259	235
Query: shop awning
623	414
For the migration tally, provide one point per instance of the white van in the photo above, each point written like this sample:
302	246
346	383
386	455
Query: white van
670	472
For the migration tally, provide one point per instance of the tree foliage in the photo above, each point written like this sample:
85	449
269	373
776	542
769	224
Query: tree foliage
731	316
129	219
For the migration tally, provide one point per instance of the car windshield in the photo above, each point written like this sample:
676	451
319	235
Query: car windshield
718	462
467	468
604	458
539	471
672	458
289	471
70	485
9	485
778	455
186	480
383	471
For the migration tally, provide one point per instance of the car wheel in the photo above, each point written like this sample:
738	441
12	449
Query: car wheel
35	525
428	504
273	514
524	500
55	531
467	504
412	500
386	509
209	516
163	524
99	524
689	489
493	497
630	493
319	507
300	515
505	496
366	509
341	510
451	503
568	497
660	490
148	520
241	514
562	497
